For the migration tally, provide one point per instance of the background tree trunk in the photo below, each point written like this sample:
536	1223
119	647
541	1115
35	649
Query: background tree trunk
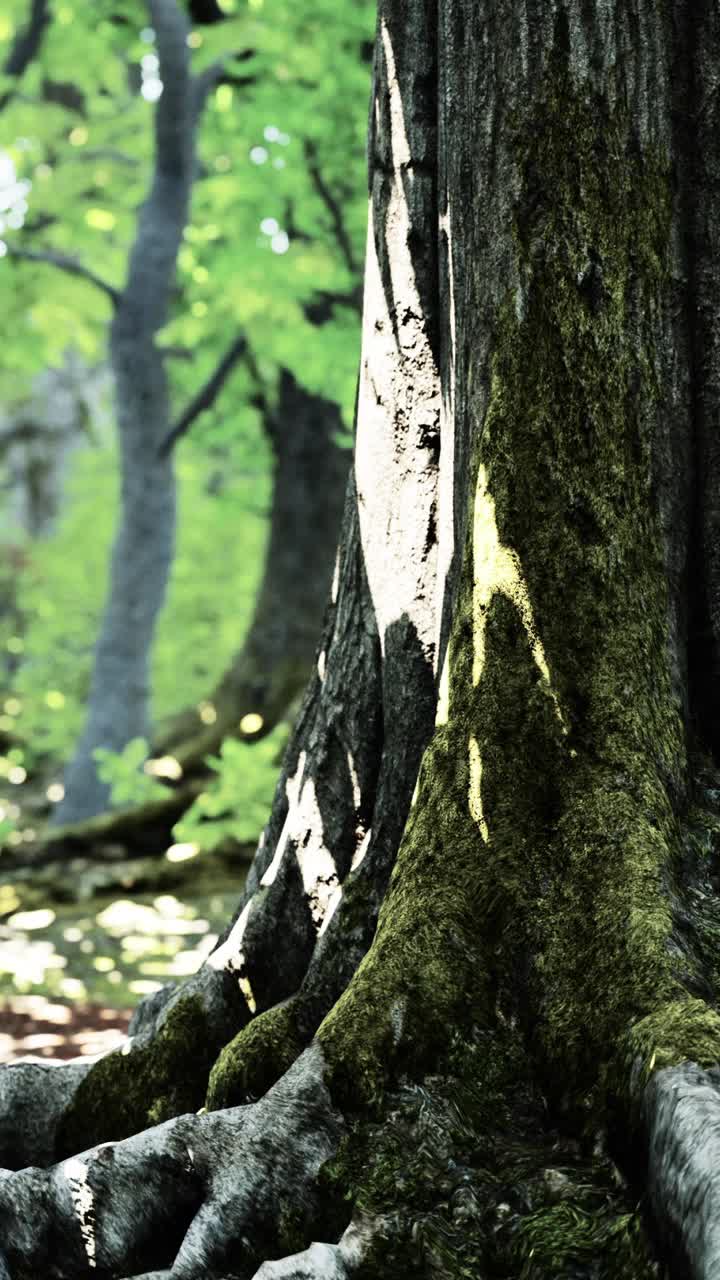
143	549
515	1070
275	661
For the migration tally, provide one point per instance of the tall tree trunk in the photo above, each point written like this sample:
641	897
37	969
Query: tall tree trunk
275	661
142	553
502	1058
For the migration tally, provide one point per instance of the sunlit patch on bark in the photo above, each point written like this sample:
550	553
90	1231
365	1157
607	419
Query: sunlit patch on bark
251	723
474	788
357	795
82	1197
230	955
497	568
443	703
446	475
164	767
398	403
361	850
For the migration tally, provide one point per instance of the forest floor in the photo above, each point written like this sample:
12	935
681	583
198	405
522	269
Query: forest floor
71	972
52	1030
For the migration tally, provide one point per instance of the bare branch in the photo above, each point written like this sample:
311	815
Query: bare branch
331	204
176	352
204	83
112	154
26	45
206	395
64	263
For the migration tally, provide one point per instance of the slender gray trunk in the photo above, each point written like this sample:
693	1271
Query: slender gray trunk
275	661
143	549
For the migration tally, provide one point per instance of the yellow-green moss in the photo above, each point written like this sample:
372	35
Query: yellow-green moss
421	974
124	1093
258	1055
683	1030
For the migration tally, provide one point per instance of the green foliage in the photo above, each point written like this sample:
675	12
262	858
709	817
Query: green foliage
237	802
274	247
266	237
123	772
61	592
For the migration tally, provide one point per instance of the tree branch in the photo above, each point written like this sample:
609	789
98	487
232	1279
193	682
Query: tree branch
331	204
205	397
63	263
26	45
204	83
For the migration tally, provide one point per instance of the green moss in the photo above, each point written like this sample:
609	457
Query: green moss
125	1093
421	974
465	1177
581	823
258	1055
558	1237
683	1030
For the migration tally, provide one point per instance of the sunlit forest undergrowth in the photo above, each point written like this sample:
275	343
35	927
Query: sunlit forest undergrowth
270	256
78	939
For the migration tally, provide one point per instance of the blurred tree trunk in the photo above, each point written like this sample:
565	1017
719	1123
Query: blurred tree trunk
274	663
142	553
476	1026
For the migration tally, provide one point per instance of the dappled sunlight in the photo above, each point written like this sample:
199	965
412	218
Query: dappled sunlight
230	955
107	952
302	836
442	710
497	569
446	474
50	1030
164	767
252	722
303	829
75	1171
182	852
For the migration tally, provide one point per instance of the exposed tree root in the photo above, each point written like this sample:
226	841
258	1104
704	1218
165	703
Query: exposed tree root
205	1195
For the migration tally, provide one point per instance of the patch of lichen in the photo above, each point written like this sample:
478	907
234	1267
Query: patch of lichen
125	1093
464	1177
256	1058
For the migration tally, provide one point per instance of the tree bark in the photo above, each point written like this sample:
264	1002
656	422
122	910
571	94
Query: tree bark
474	1028
143	549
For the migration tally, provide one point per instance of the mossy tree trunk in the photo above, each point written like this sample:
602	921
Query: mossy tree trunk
465	1022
